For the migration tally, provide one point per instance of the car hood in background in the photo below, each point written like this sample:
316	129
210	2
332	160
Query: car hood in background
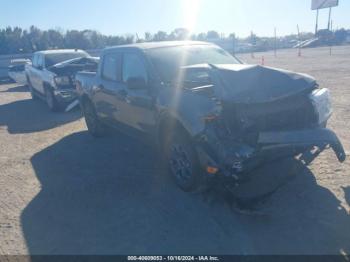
73	65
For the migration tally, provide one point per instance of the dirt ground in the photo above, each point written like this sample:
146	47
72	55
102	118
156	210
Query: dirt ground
63	192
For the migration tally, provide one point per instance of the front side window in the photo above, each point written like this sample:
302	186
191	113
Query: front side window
133	67
111	67
41	61
199	76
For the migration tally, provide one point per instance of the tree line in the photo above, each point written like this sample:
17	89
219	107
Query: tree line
17	40
14	40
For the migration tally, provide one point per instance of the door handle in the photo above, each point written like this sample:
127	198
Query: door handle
124	94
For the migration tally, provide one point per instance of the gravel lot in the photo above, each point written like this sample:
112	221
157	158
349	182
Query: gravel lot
63	192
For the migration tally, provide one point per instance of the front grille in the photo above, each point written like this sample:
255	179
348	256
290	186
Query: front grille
286	114
295	117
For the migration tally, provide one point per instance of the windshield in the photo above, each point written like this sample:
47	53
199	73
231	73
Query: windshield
169	60
53	59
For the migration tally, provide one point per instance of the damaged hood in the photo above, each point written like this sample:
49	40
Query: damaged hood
260	84
74	65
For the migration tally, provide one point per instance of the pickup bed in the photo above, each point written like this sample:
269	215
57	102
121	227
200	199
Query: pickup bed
210	116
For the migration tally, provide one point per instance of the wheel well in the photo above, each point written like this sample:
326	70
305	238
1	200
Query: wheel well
85	99
28	80
47	85
169	125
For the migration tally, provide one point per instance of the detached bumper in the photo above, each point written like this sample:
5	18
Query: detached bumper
320	137
235	160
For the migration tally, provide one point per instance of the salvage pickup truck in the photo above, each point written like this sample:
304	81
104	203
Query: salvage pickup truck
208	113
51	75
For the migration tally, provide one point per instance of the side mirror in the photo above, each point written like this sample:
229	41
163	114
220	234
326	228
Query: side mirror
136	83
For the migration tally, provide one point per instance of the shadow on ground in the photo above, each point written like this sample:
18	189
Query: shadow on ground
109	196
347	194
17	88
304	218
26	116
6	80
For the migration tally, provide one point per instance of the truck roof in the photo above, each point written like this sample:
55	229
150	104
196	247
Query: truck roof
151	45
60	51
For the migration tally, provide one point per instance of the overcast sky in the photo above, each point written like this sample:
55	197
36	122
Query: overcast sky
138	16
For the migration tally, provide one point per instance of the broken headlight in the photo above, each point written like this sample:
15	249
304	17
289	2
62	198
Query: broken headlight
62	80
322	103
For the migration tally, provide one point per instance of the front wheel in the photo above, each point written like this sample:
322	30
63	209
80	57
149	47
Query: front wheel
31	89
94	125
182	161
51	100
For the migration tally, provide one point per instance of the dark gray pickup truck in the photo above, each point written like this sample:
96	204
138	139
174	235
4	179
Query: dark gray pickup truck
209	114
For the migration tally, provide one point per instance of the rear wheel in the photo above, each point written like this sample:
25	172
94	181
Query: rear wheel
182	160
51	100
93	124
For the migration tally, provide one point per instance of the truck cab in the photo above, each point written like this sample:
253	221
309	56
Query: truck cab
122	91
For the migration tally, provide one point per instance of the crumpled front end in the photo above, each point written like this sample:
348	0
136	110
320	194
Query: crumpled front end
64	82
245	136
234	159
248	115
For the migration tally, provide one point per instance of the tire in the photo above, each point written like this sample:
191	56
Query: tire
182	161
95	127
51	100
265	180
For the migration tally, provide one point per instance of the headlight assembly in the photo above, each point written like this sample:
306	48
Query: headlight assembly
62	80
322	103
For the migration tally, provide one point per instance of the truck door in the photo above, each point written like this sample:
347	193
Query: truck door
32	70
36	72
136	101
106	90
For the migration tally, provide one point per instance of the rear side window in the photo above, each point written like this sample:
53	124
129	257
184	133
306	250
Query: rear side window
111	67
133	67
35	60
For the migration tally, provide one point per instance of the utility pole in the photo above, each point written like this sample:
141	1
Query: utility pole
316	28
234	44
329	18
275	44
253	43
299	42
331	39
